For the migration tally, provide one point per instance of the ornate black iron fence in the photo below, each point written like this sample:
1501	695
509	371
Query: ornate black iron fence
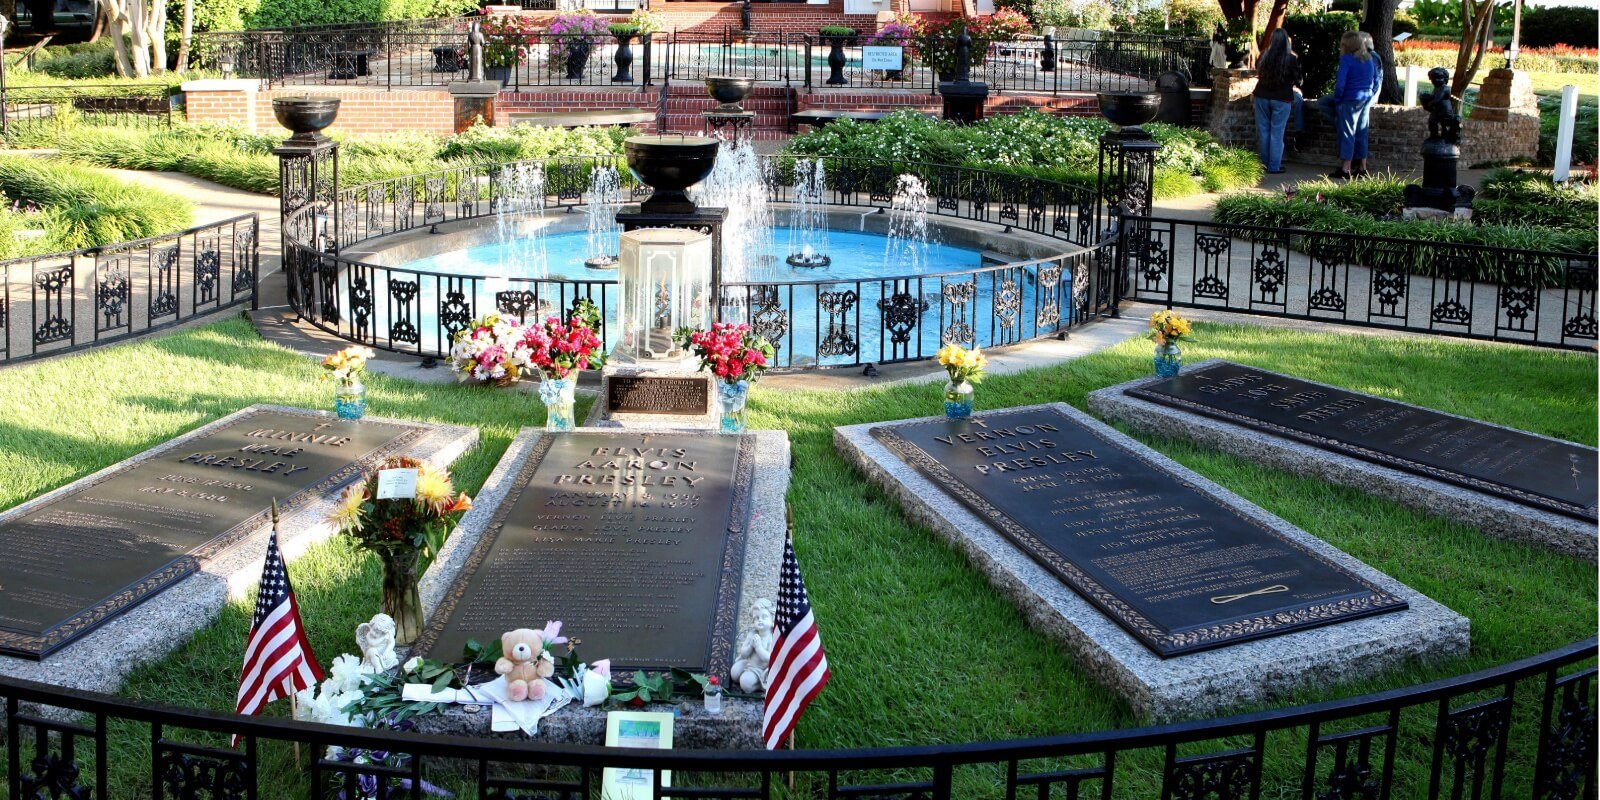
1529	297
28	109
57	303
1521	730
823	322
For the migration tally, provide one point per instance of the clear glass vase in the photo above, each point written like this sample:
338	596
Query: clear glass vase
730	403
1168	359
350	399
958	399
400	597
558	395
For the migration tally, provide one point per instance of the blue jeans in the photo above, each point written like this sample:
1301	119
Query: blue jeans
1272	117
1297	112
1352	119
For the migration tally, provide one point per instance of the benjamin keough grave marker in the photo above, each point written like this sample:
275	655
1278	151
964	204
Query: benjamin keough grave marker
100	548
635	541
1177	568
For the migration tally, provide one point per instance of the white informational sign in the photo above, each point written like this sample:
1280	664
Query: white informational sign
397	484
880	57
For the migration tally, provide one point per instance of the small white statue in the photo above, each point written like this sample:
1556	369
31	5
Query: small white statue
376	640
755	651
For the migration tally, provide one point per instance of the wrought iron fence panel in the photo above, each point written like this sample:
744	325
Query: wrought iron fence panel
61	302
767	56
1471	291
27	109
1453	734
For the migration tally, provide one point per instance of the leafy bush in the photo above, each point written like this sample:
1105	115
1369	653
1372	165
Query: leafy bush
86	208
1584	145
1030	143
1316	39
77	63
1513	196
1178	18
287	13
1551	25
1561	58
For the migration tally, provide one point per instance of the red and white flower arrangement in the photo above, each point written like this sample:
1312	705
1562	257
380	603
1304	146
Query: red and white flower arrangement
491	350
729	351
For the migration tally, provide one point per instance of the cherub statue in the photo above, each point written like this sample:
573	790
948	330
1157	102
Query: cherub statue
755	651
376	640
1443	121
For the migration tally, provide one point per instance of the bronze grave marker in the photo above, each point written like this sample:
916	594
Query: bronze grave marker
100	549
656	394
1533	470
635	541
1177	567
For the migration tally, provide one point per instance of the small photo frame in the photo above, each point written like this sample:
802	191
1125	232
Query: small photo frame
645	729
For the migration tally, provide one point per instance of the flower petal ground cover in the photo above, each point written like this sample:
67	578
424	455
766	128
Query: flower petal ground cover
923	650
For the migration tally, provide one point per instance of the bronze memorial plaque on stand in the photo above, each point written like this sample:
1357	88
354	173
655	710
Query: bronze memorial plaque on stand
635	541
656	394
99	550
1178	568
1543	473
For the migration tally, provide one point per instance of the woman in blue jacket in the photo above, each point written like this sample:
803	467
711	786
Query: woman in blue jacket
1352	95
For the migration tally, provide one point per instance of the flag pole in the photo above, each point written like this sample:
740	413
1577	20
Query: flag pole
294	702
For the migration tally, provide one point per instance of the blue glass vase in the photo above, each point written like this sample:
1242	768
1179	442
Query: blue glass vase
730	403
958	399
350	399
558	396
1168	360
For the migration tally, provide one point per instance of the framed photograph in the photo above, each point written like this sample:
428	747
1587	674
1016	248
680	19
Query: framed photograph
647	729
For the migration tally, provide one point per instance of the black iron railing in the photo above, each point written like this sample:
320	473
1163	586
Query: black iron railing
433	53
1530	297
823	322
34	109
62	302
1521	730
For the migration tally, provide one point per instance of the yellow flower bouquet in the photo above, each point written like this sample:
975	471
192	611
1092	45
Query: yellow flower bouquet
965	368
1166	326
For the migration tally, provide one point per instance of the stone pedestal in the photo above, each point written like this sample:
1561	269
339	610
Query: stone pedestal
670	394
963	101
1504	91
474	99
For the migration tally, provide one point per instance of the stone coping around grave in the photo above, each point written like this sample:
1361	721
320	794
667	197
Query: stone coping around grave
763	559
100	660
1183	687
601	416
738	727
1496	516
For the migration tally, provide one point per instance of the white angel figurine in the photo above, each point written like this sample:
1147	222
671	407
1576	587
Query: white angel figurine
376	640
755	650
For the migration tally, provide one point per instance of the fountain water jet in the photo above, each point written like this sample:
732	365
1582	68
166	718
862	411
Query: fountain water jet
739	182
810	229
908	235
522	197
605	197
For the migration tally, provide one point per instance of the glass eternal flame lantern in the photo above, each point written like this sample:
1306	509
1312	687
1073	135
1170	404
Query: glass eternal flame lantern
665	284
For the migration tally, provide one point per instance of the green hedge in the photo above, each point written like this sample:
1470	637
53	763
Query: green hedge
1569	25
1316	40
286	13
82	207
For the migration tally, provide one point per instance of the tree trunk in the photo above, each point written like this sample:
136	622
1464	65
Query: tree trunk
114	12
1477	29
1280	9
156	32
186	37
1378	20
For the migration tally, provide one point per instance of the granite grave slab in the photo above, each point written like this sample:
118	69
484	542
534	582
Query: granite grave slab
120	567
1508	483
1128	559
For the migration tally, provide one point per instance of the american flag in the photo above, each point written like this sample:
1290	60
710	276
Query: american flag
277	659
799	668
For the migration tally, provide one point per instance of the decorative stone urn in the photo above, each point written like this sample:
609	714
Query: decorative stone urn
669	164
306	116
730	91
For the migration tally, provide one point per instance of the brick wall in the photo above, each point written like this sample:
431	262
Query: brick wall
361	110
713	18
1395	139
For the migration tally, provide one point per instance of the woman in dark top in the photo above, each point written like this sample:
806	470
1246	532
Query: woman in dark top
1277	73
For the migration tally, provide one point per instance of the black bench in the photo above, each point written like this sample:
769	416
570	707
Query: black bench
624	118
350	64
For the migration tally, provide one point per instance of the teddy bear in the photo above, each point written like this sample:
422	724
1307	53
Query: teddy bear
525	664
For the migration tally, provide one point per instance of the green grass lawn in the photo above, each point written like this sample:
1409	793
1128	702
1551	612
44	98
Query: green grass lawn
922	650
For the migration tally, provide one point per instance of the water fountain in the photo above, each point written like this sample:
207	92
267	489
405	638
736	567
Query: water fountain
605	197
522	200
810	229
739	182
908	235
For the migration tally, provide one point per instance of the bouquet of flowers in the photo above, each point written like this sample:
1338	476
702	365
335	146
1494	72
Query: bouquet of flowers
490	350
730	351
559	348
1166	327
347	365
963	365
405	525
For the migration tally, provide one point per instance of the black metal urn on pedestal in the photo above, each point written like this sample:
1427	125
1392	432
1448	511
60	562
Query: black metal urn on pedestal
578	51
1129	110
670	165
623	58
836	60
963	97
729	90
305	116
